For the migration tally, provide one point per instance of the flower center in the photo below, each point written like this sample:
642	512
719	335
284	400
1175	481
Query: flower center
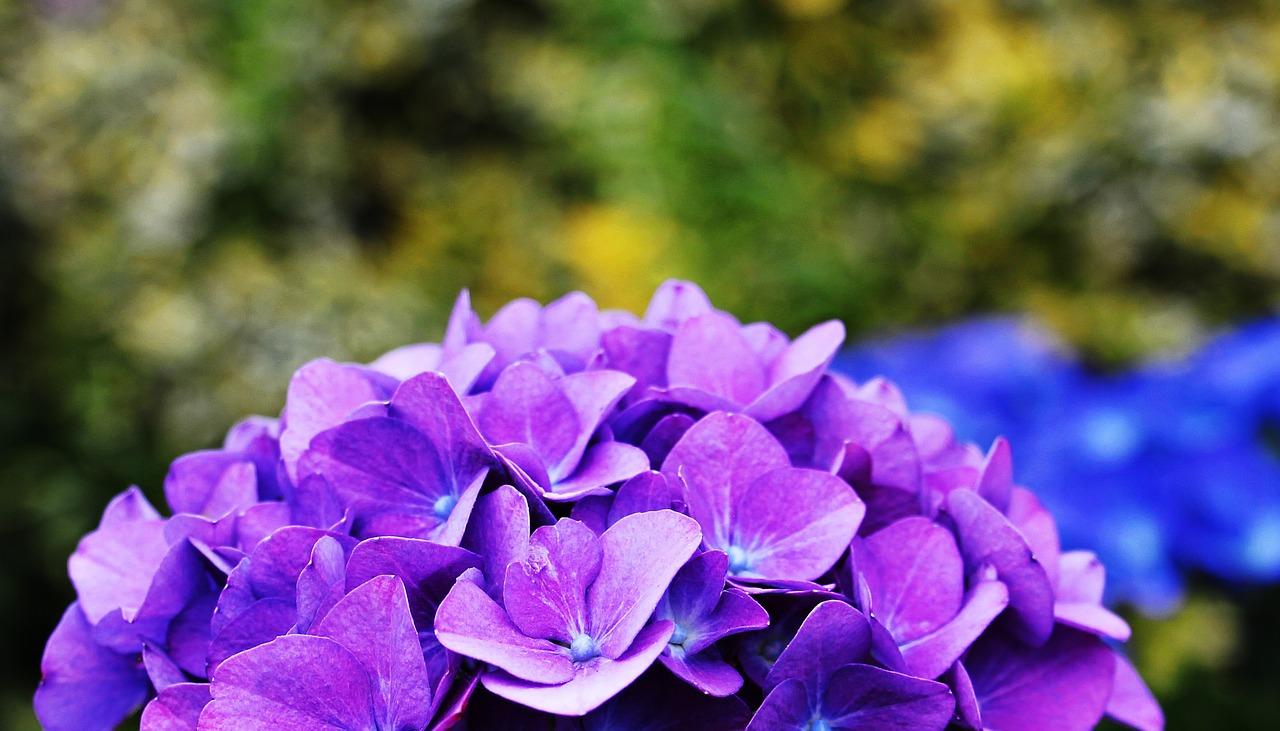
444	506
818	724
679	634
583	648
737	560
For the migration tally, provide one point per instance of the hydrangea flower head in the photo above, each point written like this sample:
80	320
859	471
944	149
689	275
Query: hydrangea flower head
580	519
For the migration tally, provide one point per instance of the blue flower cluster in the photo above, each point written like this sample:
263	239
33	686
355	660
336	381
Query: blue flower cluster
1169	467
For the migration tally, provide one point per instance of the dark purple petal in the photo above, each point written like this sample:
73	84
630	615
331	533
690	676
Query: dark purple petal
176	708
664	436
86	687
260	623
987	538
161	670
1063	685
374	624
469	623
640	555
868	698
112	567
833	635
786	708
659	702
593	682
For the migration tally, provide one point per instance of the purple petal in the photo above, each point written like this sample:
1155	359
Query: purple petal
1092	618
176	708
161	669
211	483
644	493
995	480
1131	701
930	656
469	623
865	697
374	624
593	682
428	402
112	567
527	407
801	542
916	577
641	553
1063	685
499	532
968	714
293	683
674	302
842	421
408	361
987	537
664	436
786	708
709	354
322	583
321	395
640	353
705	670
182	578
833	635
386	469
546	594
86	687
795	373
594	395
1037	526
718	460
603	464
260	623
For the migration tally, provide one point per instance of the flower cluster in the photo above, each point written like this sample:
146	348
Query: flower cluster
675	521
1164	468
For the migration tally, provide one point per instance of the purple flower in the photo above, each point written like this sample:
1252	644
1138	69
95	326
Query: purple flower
821	681
752	541
735	476
573	628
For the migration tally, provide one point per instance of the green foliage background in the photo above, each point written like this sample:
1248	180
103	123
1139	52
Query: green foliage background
198	196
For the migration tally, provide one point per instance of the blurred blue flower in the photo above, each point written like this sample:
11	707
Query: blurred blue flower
1168	468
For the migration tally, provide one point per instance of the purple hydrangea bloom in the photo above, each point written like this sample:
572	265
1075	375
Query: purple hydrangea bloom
575	519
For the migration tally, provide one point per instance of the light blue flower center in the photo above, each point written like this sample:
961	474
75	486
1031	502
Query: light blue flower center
583	648
737	560
444	506
818	724
679	634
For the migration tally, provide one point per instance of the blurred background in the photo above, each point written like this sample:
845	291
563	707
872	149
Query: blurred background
196	197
